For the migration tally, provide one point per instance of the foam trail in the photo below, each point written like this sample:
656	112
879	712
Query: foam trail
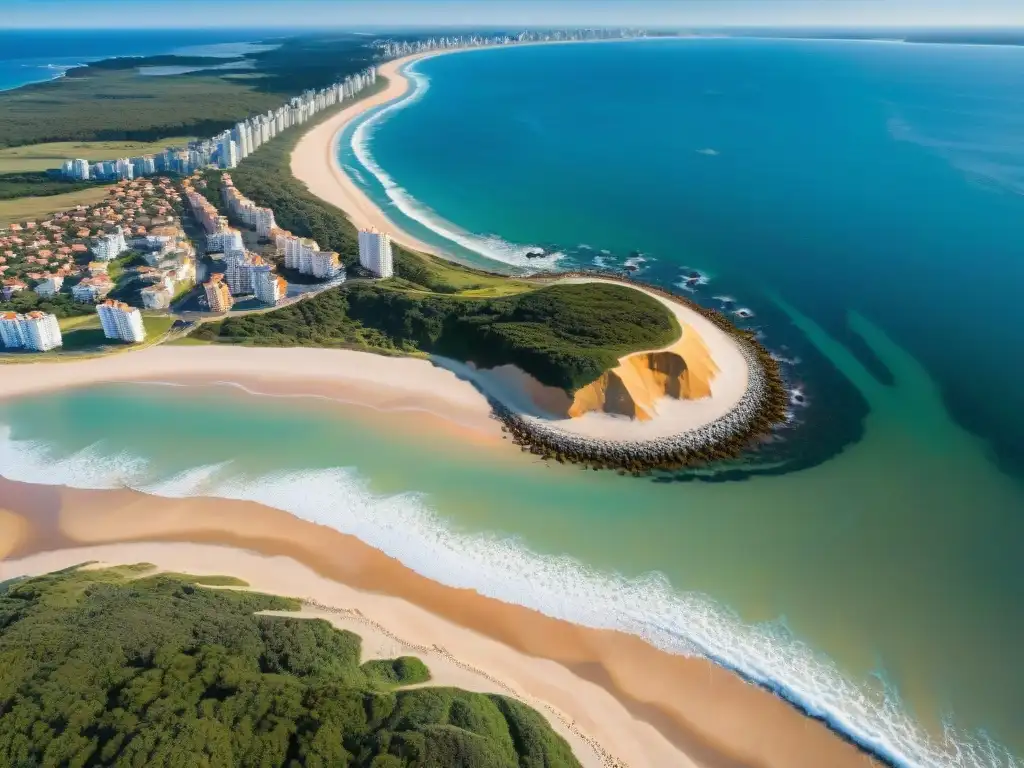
489	246
404	526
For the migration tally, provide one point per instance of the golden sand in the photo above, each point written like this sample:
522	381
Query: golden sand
644	706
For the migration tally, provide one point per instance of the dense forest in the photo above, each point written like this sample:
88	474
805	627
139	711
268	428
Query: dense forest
61	305
564	335
38	184
114	667
109	100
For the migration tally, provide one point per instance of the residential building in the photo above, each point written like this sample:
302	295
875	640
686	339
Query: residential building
121	321
218	295
228	152
225	241
10	330
326	265
80	169
110	246
50	286
41	331
92	289
156	296
298	251
38	331
11	286
269	287
375	252
238	271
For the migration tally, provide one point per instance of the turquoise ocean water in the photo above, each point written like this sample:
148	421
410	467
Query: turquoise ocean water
865	202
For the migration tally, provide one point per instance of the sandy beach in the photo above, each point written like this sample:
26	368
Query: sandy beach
617	699
315	159
635	703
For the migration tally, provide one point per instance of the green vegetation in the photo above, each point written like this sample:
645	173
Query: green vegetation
109	101
61	305
41	157
156	325
265	176
114	667
24	208
564	335
39	184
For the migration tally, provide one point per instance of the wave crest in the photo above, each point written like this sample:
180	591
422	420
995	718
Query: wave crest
488	246
405	527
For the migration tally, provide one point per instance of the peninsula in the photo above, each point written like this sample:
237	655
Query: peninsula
592	369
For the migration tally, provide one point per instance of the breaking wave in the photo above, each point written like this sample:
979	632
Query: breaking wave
406	527
488	246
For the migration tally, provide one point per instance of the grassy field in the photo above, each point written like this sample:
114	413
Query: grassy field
41	157
23	208
83	337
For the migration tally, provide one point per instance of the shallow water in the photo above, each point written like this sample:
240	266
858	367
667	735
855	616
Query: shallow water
867	565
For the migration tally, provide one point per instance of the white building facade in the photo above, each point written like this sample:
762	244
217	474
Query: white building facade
37	331
121	321
375	252
110	246
268	286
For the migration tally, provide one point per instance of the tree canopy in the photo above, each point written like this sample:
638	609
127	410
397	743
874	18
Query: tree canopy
115	667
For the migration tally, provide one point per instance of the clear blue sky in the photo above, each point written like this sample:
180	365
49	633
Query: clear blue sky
671	13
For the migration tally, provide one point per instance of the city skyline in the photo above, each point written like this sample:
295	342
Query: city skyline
383	13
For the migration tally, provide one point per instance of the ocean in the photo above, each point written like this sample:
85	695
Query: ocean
864	201
33	56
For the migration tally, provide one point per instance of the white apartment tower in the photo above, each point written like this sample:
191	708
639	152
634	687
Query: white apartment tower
121	321
375	252
268	286
107	247
37	331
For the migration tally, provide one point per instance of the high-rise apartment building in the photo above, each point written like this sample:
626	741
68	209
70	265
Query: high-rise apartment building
269	287
375	252
218	295
37	331
121	321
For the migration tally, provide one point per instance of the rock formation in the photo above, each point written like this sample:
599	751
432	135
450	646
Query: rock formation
683	371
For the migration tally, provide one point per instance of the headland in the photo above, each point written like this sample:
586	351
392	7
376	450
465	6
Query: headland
708	395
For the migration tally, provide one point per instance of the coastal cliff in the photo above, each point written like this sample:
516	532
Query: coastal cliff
684	371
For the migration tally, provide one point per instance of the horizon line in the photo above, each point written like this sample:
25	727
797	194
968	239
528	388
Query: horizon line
505	27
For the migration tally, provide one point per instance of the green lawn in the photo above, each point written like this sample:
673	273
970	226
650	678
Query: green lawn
24	208
41	157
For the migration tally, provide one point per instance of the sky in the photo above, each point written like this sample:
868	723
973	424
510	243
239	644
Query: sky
638	13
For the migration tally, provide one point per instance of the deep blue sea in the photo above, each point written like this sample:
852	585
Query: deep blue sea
864	202
879	177
32	56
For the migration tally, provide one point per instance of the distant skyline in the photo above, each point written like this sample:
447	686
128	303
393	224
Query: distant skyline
293	14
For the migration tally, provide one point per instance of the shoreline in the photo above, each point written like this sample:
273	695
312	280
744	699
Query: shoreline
644	706
748	393
314	160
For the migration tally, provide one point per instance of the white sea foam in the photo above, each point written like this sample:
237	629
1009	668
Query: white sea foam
405	527
490	246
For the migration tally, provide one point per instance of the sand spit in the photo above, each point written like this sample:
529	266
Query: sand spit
641	706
